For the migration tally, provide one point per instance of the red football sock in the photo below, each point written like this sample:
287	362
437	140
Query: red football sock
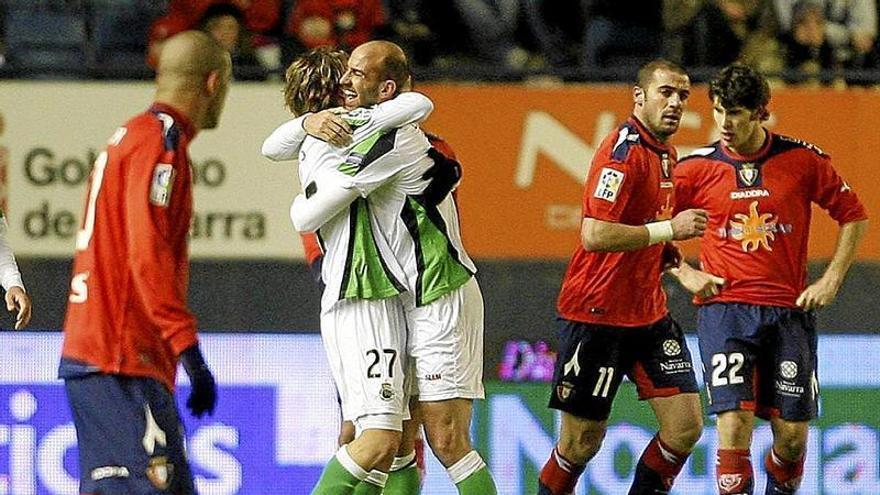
734	472
559	474
786	474
664	461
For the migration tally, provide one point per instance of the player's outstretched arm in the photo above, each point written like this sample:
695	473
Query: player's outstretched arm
823	291
602	236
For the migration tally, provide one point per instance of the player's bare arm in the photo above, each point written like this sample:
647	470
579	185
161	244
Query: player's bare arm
602	236
823	291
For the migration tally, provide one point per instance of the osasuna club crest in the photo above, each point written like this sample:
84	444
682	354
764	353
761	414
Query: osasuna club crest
665	166
748	174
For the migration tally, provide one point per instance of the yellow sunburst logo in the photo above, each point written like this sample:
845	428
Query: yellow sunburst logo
754	230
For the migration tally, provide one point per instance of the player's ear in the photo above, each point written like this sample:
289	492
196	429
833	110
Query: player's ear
638	95
212	81
388	89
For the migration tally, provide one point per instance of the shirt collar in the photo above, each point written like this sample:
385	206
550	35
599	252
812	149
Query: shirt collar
186	126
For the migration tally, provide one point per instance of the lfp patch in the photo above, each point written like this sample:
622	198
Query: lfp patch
160	187
609	184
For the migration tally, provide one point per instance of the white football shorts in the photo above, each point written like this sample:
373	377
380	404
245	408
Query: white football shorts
446	345
366	347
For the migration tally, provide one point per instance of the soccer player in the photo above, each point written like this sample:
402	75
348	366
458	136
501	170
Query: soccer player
17	299
362	323
127	322
756	321
612	308
426	239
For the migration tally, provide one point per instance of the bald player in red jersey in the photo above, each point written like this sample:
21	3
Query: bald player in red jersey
612	309
127	321
756	324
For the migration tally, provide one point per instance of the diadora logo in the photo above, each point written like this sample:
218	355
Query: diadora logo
749	193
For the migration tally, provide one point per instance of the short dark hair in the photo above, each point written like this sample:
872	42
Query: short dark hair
739	85
646	72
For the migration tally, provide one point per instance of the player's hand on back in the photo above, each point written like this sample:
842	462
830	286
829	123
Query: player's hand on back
203	388
444	175
17	301
328	125
689	224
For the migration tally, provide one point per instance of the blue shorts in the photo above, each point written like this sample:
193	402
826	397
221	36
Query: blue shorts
129	436
593	359
759	358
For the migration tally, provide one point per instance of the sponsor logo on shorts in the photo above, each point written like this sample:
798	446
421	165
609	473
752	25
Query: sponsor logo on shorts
728	482
674	366
788	369
433	377
105	472
563	391
671	347
789	388
386	392
160	472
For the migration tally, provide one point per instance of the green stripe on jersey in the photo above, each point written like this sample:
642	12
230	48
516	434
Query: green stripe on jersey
365	276
353	163
440	271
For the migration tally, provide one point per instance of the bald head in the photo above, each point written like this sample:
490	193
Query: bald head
387	58
191	55
193	75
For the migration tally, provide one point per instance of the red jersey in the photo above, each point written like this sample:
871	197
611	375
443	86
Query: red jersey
630	182
759	214
311	246
127	312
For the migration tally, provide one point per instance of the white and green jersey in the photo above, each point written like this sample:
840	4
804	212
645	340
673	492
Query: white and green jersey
387	239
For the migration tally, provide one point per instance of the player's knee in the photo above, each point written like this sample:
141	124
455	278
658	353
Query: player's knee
582	447
687	432
448	441
790	441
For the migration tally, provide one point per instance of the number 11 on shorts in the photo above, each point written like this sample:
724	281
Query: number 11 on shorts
606	374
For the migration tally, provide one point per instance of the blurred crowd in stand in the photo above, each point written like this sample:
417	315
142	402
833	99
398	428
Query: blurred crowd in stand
796	41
